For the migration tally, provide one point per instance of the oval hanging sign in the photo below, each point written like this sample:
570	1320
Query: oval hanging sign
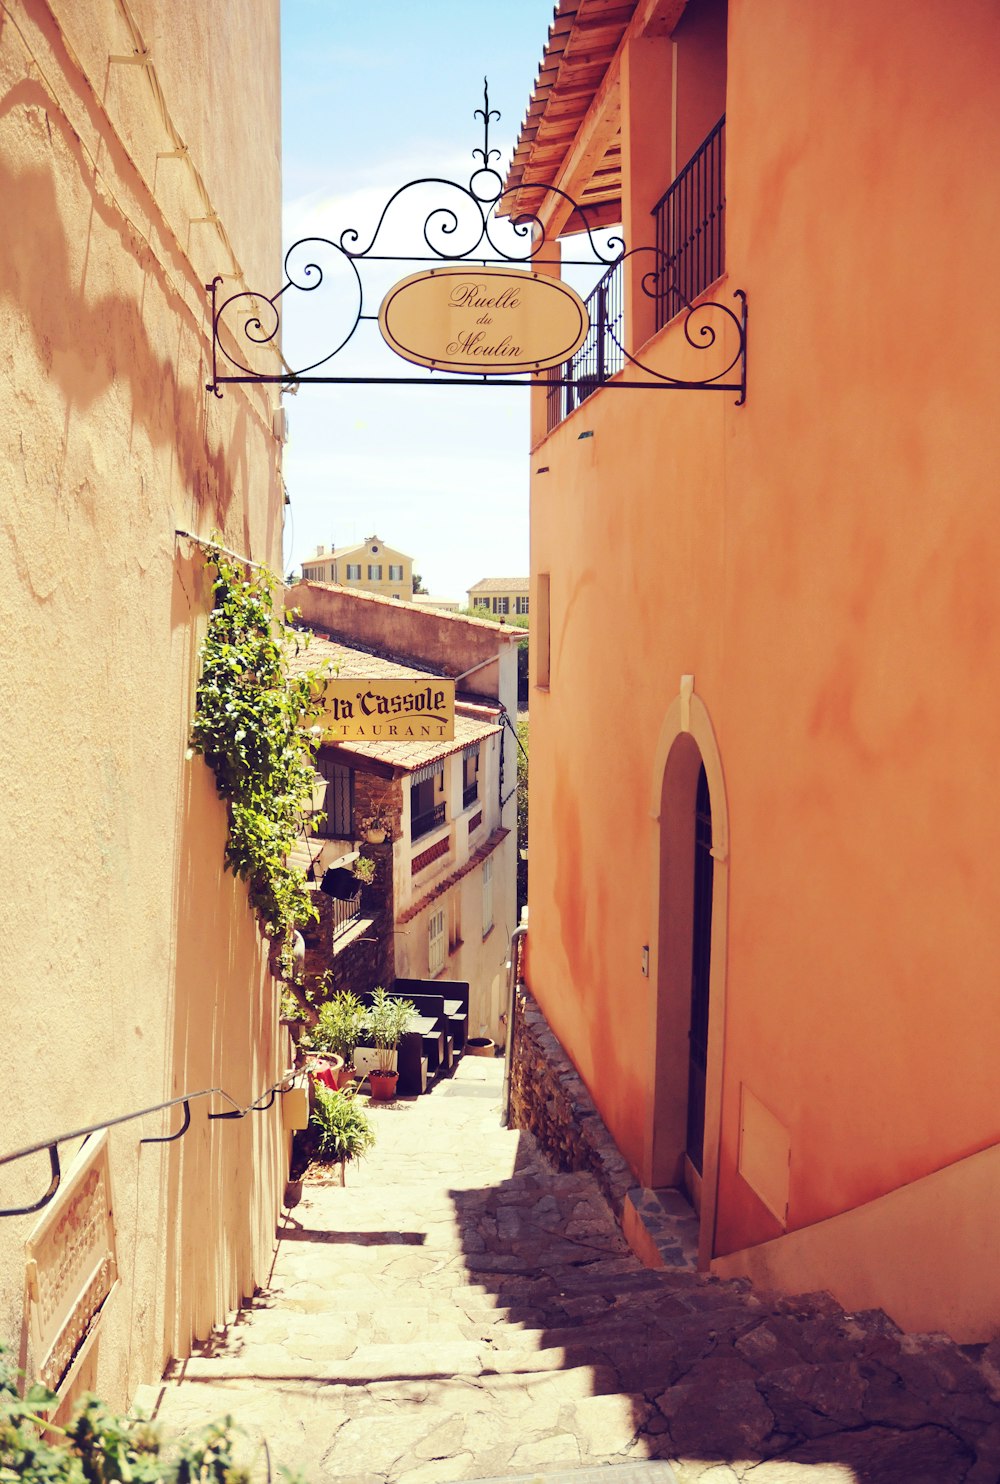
495	321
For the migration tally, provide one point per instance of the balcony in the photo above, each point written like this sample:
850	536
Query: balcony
346	912
422	824
600	355
690	228
470	794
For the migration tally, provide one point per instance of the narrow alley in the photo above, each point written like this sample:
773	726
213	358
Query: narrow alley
462	1311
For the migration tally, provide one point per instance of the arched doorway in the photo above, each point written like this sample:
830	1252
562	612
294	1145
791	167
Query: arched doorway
688	961
701	973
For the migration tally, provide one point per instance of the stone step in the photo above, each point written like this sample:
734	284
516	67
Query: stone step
316	1362
518	1427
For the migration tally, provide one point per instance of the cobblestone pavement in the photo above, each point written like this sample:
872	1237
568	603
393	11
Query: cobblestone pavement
460	1310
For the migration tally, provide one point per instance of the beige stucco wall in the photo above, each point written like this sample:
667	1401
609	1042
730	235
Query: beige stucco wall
132	968
925	1253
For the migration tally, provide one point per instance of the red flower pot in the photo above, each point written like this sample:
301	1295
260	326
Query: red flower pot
383	1085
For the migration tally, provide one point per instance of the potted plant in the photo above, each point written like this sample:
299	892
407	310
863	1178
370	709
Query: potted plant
338	1029
343	1128
364	870
387	1019
377	825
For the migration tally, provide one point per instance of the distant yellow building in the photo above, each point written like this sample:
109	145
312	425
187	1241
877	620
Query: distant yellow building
500	596
366	567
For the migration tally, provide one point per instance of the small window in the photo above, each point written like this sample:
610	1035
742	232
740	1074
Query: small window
354	571
521	606
540	630
487	895
395	572
337	799
435	942
374	571
501	605
481	603
310	574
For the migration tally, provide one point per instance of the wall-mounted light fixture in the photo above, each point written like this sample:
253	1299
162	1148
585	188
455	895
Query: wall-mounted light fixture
589	433
542	469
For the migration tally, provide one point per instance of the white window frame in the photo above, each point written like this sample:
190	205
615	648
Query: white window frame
354	571
501	605
437	943
374	571
521	606
487	895
395	571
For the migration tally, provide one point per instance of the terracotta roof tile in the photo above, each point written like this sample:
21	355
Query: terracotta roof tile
500	585
473	721
413	755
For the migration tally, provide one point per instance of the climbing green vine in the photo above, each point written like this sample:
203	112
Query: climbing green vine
252	725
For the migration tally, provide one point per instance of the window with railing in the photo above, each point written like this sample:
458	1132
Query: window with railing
470	776
334	798
426	810
690	228
600	355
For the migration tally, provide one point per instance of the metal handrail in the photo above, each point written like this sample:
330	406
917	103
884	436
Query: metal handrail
51	1146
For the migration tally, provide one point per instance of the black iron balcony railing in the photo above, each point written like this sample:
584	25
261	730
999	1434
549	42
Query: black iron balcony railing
690	228
470	795
346	910
422	824
600	355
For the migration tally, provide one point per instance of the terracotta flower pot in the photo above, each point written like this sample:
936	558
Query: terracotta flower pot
383	1085
480	1046
375	837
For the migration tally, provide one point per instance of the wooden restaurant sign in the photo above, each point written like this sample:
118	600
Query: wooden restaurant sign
497	321
417	710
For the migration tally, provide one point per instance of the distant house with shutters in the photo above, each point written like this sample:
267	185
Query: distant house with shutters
500	597
443	902
367	566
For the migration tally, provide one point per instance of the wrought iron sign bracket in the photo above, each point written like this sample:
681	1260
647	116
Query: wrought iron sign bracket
459	236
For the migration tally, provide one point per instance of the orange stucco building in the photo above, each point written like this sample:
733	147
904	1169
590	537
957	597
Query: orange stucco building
138	159
764	911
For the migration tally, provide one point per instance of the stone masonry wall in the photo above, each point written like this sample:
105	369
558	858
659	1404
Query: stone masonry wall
369	790
548	1097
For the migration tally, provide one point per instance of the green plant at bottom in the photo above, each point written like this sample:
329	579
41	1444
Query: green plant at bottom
344	1128
98	1447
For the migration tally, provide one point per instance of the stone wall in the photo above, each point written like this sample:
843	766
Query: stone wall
369	789
549	1098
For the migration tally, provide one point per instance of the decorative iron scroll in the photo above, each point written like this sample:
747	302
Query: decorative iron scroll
460	228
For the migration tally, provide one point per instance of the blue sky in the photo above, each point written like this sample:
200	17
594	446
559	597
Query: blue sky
374	96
